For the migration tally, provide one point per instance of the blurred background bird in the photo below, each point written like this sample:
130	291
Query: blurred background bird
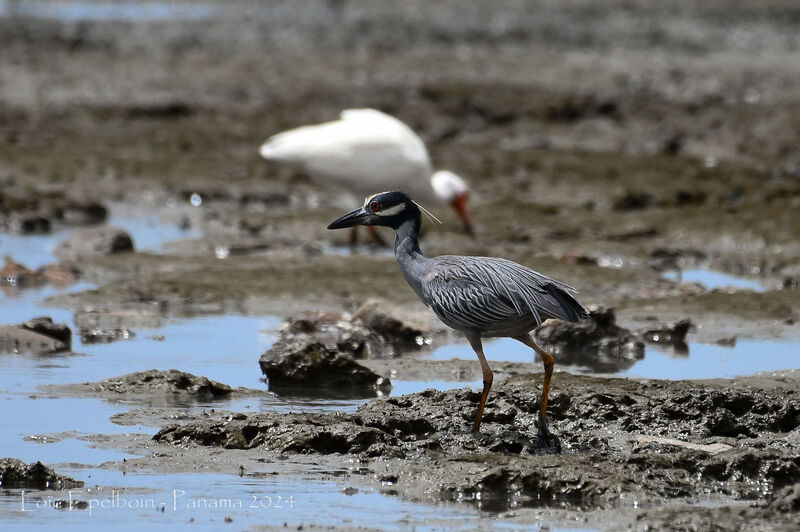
364	151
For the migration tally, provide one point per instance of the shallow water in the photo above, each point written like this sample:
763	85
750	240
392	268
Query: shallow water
714	280
148	232
702	361
206	500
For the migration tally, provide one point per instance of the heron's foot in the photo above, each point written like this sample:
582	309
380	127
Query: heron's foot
545	439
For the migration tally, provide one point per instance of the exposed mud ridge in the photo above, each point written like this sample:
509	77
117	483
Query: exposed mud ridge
15	473
424	439
153	383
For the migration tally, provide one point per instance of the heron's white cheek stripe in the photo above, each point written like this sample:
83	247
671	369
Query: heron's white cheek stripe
391	211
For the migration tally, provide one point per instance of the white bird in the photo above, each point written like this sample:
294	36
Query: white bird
364	151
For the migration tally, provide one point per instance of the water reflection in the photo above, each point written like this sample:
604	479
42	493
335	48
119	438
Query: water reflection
701	361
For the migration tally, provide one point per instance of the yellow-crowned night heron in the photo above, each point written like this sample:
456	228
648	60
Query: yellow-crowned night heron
364	151
478	296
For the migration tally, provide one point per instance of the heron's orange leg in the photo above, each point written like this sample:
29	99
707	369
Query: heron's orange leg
549	362
488	377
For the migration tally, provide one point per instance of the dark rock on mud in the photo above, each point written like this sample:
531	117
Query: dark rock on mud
421	444
673	333
81	213
28	223
597	343
318	349
15	473
155	382
38	336
97	335
337	332
400	329
94	242
307	364
46	327
377	329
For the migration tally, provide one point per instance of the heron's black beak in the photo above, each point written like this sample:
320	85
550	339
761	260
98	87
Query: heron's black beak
357	217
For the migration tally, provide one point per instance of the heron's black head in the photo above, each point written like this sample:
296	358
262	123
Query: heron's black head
390	209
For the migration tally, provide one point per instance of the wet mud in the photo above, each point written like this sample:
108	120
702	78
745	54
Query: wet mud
604	146
622	440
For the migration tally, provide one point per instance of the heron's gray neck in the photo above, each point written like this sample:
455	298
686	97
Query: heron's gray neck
409	256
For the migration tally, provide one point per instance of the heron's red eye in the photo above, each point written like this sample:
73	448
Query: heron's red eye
375	206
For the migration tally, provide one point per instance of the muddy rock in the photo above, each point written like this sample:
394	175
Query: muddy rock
307	364
46	327
597	342
15	473
400	329
155	382
97	335
337	332
673	334
28	223
80	213
375	330
93	242
37	336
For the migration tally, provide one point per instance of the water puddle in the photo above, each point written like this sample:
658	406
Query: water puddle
712	280
108	11
702	361
148	231
212	501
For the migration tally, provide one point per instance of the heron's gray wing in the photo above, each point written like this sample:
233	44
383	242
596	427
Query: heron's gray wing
479	292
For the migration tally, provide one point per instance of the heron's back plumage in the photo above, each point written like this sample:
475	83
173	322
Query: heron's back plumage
493	296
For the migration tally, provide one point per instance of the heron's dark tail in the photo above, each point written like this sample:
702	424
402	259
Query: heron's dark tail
571	309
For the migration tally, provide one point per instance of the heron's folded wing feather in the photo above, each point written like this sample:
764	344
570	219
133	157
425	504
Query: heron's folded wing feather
477	292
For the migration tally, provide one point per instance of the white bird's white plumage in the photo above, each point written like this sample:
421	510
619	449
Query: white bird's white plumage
365	150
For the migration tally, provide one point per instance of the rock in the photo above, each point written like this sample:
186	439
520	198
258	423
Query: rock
673	334
94	242
337	332
97	335
15	473
39	336
395	327
162	382
46	327
28	223
80	213
787	499
307	364
633	201
597	342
